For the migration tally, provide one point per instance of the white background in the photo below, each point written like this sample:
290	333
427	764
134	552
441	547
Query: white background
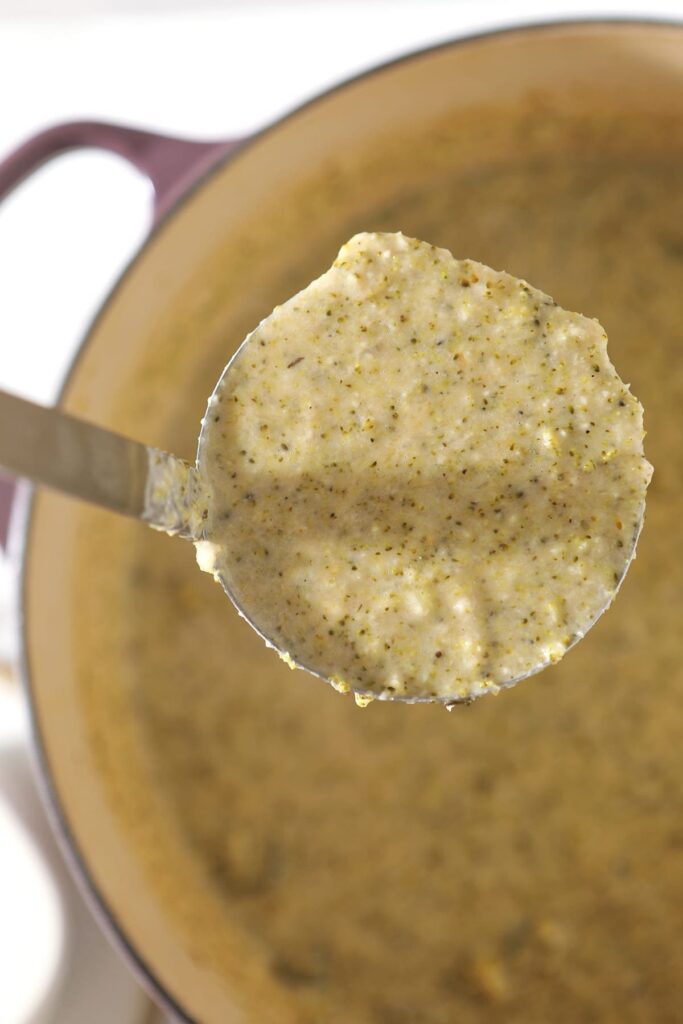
215	70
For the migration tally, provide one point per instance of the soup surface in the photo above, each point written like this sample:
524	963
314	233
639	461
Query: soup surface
518	860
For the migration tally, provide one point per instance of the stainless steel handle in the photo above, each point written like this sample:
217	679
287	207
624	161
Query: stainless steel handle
77	458
52	448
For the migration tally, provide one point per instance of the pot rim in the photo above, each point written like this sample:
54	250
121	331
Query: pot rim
22	512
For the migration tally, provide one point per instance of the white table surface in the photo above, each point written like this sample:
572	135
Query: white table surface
218	72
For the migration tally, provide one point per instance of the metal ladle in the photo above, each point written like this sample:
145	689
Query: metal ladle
56	450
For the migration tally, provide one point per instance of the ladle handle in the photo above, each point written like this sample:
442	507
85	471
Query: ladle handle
51	448
59	451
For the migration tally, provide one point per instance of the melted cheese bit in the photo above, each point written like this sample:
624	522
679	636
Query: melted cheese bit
425	478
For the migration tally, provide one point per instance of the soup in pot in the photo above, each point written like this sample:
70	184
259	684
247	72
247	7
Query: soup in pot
519	860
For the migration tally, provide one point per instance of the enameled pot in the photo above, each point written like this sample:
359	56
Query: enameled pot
173	303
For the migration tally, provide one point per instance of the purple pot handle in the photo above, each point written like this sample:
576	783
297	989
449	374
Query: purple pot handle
171	164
